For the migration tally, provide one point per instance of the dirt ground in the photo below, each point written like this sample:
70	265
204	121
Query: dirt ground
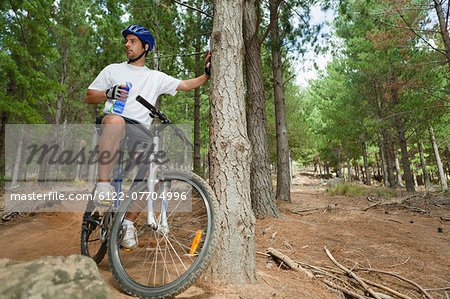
393	238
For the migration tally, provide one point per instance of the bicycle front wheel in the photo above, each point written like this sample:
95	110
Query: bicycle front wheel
170	256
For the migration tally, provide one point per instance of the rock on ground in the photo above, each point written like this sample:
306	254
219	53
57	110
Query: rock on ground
76	276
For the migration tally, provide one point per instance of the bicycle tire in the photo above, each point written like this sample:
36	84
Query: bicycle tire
90	243
119	259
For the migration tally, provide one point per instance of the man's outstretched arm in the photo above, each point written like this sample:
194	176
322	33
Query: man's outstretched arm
190	84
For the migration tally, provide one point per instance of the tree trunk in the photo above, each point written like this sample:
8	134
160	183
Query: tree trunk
390	167
92	169
383	161
442	177
366	164
17	162
283	177
426	178
396	162
398	170
402	140
357	171
3	120
405	157
416	184
263	200
197	141
60	97
447	154
339	162
230	150
349	167
156	54
443	22
320	170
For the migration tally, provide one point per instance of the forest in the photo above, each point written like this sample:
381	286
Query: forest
379	110
377	114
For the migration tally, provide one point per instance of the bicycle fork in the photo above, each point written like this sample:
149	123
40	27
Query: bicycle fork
160	225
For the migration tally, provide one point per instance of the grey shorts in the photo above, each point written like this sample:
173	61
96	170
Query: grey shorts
137	136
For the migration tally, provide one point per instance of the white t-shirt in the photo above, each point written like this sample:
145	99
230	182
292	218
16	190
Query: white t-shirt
145	82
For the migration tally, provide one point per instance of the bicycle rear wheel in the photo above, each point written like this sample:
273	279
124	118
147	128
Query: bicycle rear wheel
94	231
167	259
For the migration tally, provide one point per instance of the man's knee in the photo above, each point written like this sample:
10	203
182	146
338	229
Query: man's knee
113	119
113	126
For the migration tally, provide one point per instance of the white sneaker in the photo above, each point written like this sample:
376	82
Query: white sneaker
130	238
104	194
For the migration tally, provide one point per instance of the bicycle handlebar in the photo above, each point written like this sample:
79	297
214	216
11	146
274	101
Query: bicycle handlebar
164	119
153	111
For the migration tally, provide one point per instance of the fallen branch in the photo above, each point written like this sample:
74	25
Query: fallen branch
295	211
438	289
385	288
289	262
285	243
262	253
407	260
393	220
344	290
351	274
421	289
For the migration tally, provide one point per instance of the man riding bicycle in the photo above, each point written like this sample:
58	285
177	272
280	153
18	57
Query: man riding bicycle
110	86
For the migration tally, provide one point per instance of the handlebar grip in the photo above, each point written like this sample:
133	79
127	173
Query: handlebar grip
146	104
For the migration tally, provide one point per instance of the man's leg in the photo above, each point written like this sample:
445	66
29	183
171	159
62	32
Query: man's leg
113	131
113	128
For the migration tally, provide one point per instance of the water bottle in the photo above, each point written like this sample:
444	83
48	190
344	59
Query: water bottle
119	105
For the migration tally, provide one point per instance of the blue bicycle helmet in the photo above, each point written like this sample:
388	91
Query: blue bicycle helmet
144	36
141	32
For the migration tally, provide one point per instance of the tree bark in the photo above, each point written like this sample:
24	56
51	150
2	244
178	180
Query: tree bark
60	97
349	167
366	164
383	161
442	177
197	141
320	170
92	169
447	154
230	150
339	162
283	174
405	157
443	27
263	200
3	120
396	162
357	171
17	162
426	177
390	167
402	141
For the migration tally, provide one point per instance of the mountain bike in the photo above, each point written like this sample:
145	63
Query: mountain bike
176	222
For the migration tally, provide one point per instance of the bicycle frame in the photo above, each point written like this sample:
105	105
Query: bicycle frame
149	169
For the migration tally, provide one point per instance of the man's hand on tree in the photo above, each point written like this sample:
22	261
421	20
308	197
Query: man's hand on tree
208	64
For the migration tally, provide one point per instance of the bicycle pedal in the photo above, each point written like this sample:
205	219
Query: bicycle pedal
124	248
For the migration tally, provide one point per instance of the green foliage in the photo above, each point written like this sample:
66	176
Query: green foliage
380	59
358	190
